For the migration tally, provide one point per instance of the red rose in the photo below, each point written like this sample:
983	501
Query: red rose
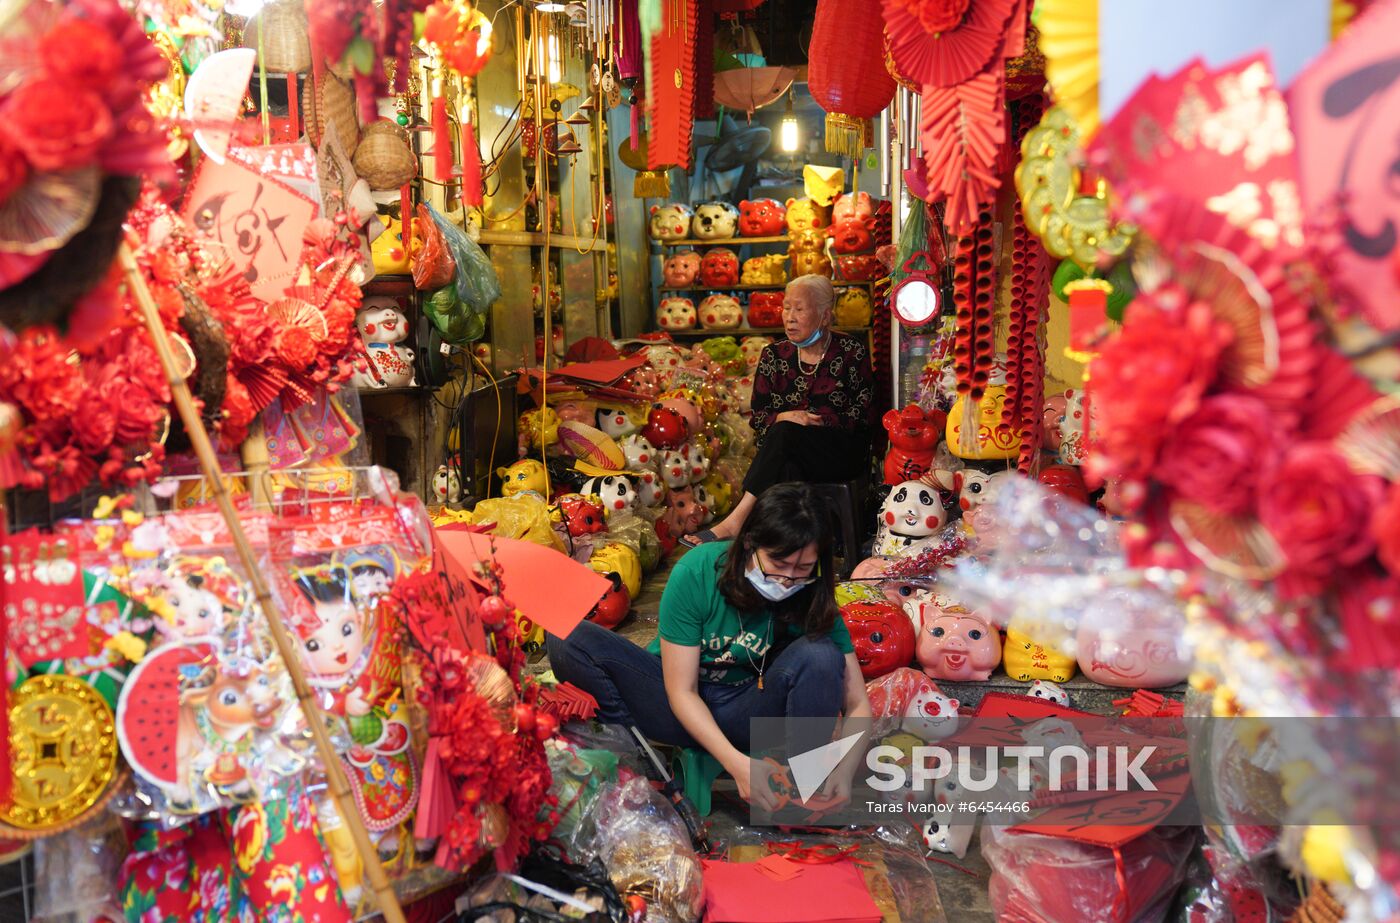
80	51
14	169
1385	527
296	347
57	124
1217	453
1148	378
1319	512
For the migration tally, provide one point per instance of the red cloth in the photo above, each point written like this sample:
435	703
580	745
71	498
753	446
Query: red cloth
741	892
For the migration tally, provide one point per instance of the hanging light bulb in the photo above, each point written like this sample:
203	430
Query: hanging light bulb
787	133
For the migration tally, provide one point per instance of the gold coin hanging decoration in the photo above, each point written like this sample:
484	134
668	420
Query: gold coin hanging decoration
63	751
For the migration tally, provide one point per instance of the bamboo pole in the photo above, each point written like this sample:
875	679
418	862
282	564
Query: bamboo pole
209	465
255	461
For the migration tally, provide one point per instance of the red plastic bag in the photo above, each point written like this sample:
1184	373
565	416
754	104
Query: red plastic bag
433	266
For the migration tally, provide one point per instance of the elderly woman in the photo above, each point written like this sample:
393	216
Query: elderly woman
812	396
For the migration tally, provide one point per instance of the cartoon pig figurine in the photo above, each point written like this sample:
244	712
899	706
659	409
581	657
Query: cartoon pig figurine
930	715
954	644
913	511
676	314
675	469
681	269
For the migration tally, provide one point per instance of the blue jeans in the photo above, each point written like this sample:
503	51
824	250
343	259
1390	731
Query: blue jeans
806	680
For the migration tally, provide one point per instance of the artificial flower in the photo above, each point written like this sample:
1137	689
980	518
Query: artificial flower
14	169
58	124
296	347
1217	453
1148	378
1318	511
1385	528
937	16
81	51
1370	620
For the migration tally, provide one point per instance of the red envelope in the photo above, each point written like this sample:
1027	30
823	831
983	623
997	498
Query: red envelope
740	892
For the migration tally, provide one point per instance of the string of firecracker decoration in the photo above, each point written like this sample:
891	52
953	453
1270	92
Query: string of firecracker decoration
964	287
1025	378
983	308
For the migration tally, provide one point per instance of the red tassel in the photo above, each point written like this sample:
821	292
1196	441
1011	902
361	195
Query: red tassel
471	167
364	95
442	141
293	107
406	218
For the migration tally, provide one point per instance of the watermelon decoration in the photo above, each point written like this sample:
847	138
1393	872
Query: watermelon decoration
148	712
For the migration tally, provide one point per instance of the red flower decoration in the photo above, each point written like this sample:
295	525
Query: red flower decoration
1149	378
80	51
14	169
1385	528
1319	513
296	347
58	124
935	15
1216	456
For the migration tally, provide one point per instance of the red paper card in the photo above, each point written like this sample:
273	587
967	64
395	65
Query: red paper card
740	892
44	597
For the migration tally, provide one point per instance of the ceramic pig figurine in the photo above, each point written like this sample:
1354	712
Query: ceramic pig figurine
383	327
665	358
765	310
752	347
719	268
720	312
699	462
651	490
681	269
670	222
914	434
930	715
683	513
882	636
615	490
616	422
853	205
447	485
675	314
641	455
911	512
1072	429
675	469
955	644
1050	692
942	834
1142	652
715	221
851	235
762	218
707	503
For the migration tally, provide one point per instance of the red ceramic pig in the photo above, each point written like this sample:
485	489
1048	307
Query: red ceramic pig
582	515
766	309
762	218
955	644
852	235
613	607
914	435
1066	479
865	267
853	205
683	513
720	267
882	635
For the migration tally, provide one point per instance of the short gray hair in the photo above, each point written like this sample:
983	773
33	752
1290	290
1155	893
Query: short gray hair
819	288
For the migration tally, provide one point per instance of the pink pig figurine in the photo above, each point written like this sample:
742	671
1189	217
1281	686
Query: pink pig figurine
954	644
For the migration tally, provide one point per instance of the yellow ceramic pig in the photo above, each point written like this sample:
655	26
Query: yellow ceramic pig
990	441
1027	660
852	308
617	558
804	214
765	270
391	257
526	474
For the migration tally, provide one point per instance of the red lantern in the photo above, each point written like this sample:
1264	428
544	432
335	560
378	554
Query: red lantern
1088	309
846	70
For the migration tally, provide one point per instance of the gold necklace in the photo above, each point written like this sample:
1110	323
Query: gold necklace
767	645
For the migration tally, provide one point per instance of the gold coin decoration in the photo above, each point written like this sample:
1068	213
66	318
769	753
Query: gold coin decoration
63	751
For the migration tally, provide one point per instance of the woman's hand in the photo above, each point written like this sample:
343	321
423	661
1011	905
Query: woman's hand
800	417
751	776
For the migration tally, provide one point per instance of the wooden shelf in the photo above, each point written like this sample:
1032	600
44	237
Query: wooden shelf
748	331
754	288
536	239
727	242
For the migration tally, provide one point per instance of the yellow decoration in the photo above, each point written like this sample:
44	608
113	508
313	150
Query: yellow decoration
128	645
721	492
765	270
617	558
1323	852
1027	660
804	214
103	536
823	184
526	474
1342	15
1072	226
531	422
905	743
132	518
1069	39
105	507
857	592
63	751
988	442
852	308
391	257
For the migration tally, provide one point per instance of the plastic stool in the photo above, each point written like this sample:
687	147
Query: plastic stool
846	500
697	771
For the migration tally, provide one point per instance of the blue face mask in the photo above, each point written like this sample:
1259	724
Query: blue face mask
812	340
769	589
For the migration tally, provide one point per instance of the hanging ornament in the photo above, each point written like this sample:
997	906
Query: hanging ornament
963	128
844	71
647	183
965	38
671	84
1069	39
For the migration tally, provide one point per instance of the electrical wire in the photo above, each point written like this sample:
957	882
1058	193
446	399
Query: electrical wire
495	387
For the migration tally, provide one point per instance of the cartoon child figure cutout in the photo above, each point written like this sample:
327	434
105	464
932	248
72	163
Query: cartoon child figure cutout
348	649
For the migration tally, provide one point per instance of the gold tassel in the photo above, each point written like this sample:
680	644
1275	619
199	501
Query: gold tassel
968	435
844	135
652	184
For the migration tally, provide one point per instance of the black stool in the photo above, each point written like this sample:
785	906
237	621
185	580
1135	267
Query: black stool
847	501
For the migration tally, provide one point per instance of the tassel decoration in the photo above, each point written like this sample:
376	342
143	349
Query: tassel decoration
442	137
471	167
293	106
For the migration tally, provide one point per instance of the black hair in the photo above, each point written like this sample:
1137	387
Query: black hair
325	584
786	519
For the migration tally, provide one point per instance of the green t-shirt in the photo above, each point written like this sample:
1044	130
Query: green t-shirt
695	614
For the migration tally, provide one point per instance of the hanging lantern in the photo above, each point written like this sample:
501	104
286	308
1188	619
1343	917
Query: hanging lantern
647	184
846	71
1088	312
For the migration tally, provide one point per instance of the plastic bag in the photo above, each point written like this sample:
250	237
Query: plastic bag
522	516
1046	879
75	873
452	319
432	266
477	285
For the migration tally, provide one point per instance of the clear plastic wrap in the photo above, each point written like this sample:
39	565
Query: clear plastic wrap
477	285
1046	879
523	516
75	873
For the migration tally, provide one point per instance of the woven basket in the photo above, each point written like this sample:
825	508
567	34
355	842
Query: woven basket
334	103
285	46
384	158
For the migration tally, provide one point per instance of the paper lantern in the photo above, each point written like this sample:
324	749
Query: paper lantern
846	71
1088	308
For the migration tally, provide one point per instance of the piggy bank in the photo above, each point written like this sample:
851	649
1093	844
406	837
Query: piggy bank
617	558
753	347
617	421
809	239
390	255
665	428
914	435
681	268
762	218
765	270
941	834
675	314
614	490
719	268
614	606
537	426
913	511
955	644
864	267
719	491
640	454
715	221
1049	692
720	312
1074	428
651	490
526	474
857	205
765	310
683	513
697	460
1052	414
977	487
930	715
675	469
1030	660
707	503
665	358
851	235
1125	640
581	515
853	308
1066	480
804	214
805	253
687	405
991	442
882	635
670	222
447	485
382	327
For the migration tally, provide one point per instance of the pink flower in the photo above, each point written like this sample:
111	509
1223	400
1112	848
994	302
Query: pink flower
81	51
1218	452
1319	513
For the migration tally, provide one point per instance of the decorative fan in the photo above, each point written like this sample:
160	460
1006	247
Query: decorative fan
1236	546
44	213
948	57
296	312
1069	39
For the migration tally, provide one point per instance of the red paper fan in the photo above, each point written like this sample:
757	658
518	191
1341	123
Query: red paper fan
1236	546
1348	409
963	128
950	57
263	382
1371	442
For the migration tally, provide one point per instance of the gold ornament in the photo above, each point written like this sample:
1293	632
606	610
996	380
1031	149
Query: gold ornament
63	751
1072	226
1069	39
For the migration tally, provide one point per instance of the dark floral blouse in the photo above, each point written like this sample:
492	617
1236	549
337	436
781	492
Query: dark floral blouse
840	390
